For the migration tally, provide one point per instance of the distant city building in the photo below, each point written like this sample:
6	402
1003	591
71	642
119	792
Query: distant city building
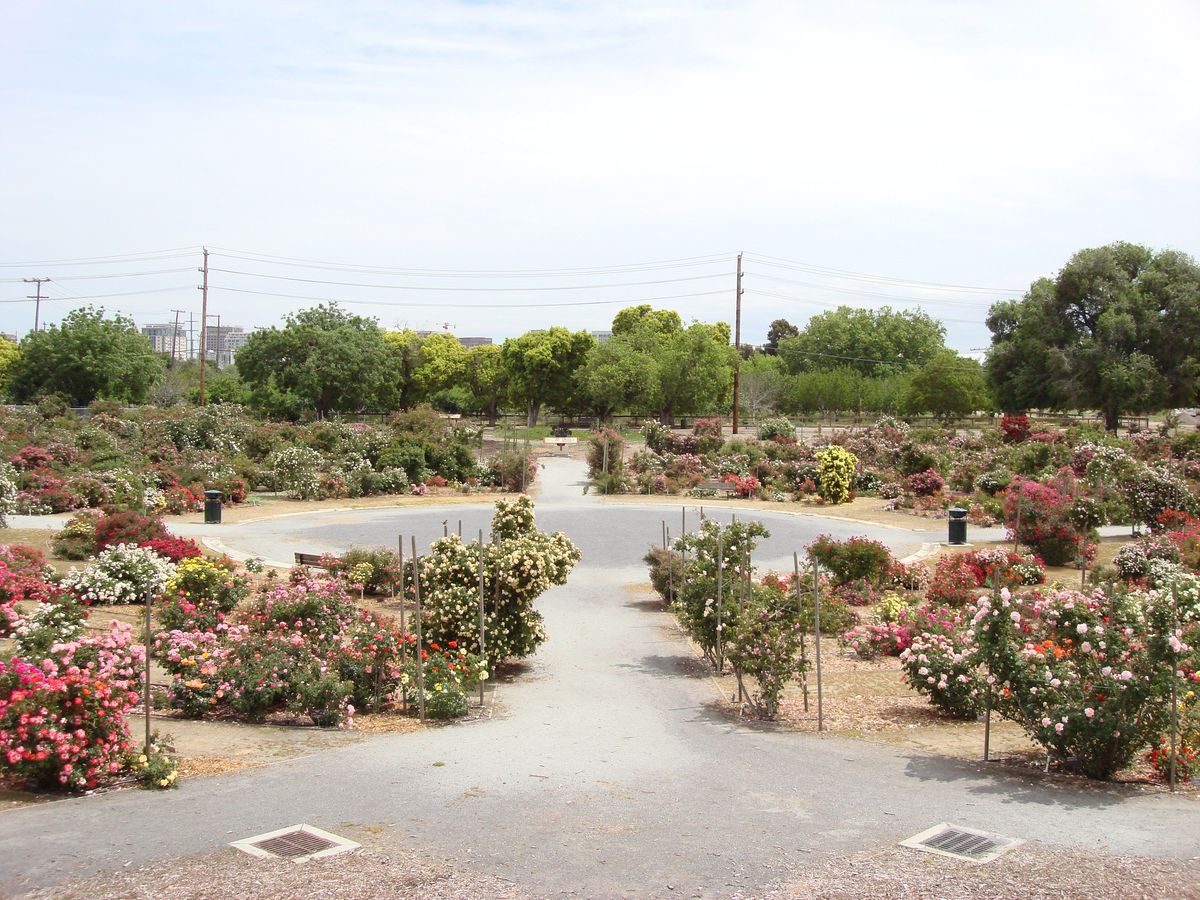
168	338
467	342
602	336
8	336
222	341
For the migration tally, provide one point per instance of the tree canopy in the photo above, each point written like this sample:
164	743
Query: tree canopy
540	367
780	329
1115	330
873	342
947	385
322	361
84	358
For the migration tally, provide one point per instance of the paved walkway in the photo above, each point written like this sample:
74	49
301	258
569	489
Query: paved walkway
608	775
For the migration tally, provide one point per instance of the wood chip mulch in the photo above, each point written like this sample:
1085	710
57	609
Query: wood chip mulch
1025	872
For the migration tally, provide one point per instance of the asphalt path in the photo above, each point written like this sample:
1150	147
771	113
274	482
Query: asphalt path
606	773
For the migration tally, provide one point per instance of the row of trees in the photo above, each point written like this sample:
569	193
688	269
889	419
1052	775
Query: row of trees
1115	330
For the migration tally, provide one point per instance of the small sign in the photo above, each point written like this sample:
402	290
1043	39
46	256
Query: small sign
561	440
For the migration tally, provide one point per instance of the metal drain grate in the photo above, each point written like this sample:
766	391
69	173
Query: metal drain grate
961	843
298	843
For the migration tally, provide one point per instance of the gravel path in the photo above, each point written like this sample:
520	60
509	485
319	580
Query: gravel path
610	775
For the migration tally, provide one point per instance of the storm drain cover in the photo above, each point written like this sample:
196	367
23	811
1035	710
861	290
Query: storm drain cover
961	843
298	842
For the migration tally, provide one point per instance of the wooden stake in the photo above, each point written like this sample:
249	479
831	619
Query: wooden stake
817	629
803	640
420	629
720	585
482	626
403	629
146	699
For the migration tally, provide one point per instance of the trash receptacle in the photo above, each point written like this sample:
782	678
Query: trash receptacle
212	507
958	525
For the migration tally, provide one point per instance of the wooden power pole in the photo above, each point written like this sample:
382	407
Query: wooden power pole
203	324
37	300
737	346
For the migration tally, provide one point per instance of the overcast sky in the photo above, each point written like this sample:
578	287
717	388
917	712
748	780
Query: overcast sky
957	143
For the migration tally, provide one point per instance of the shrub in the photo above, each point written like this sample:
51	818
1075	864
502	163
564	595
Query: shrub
1039	516
859	592
852	559
77	540
120	574
771	429
384	574
128	527
925	484
1149	492
709	435
837	467
993	482
450	673
871	641
55	622
521	564
763	642
175	549
63	723
512	470
598	456
954	581
1014	428
296	470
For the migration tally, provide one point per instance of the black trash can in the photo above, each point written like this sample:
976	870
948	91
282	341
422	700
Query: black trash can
958	525
212	507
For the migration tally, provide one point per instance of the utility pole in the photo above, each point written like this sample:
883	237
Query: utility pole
37	298
737	346
203	324
174	339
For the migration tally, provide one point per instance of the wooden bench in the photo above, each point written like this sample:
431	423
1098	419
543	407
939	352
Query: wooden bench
725	486
312	560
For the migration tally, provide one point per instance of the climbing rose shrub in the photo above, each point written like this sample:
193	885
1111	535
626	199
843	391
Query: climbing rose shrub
1039	516
1014	428
837	467
518	567
925	484
763	643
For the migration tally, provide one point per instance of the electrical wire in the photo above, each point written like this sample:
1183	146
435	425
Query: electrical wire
782	263
625	268
213	287
161	290
829	305
824	287
59	278
148	256
418	287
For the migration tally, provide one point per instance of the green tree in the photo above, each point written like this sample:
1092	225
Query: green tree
405	347
947	386
441	364
10	354
640	318
780	329
873	342
85	358
761	383
695	370
541	365
485	378
1116	330
620	374
322	361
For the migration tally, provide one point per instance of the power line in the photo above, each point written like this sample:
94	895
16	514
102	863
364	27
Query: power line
859	293
59	278
149	255
814	268
830	305
418	287
339	300
299	262
104	296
